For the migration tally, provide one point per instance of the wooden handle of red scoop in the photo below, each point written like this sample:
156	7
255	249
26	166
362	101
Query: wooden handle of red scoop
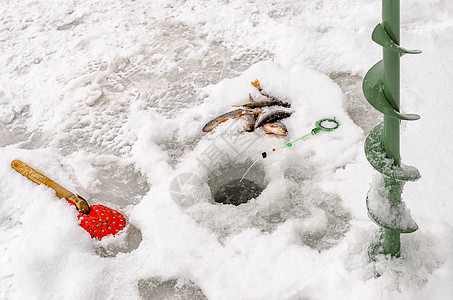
39	178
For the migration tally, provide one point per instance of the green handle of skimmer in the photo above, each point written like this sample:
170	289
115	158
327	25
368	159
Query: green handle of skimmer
320	125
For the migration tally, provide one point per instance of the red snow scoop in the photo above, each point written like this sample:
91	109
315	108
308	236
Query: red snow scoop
98	220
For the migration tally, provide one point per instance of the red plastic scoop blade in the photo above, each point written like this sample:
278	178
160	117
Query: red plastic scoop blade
102	221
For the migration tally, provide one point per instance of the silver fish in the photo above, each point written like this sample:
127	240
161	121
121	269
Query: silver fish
263	103
275	128
222	118
271	116
257	84
248	119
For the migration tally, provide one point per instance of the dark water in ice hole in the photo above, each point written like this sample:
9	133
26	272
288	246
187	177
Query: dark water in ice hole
229	186
237	191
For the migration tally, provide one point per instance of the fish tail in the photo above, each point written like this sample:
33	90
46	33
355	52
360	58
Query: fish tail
257	84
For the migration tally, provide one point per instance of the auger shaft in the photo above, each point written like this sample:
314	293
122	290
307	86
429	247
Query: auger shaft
381	87
391	22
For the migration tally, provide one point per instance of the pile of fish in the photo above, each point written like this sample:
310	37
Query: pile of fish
254	114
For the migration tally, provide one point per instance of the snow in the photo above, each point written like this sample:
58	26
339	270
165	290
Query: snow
109	98
389	216
374	150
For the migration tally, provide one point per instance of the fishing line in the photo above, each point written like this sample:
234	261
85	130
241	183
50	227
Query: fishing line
249	169
326	124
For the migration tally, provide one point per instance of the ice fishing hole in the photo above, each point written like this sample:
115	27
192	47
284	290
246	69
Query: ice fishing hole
226	185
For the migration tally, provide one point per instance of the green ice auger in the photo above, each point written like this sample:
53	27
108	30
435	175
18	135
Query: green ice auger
381	87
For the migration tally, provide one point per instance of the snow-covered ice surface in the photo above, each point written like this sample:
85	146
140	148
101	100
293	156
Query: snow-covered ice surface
108	98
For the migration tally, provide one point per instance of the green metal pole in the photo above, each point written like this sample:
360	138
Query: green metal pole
391	23
381	87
